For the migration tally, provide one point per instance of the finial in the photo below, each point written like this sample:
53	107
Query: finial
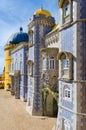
21	29
41	6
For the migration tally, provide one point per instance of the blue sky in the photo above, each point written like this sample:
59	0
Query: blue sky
16	13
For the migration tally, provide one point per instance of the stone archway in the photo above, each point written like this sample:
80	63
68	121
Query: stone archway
50	105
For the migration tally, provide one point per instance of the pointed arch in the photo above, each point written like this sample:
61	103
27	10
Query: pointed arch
67	55
61	2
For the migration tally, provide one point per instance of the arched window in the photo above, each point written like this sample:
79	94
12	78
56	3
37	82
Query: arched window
66	65
52	63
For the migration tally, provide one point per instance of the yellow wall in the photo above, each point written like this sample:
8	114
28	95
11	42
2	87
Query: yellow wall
2	79
8	59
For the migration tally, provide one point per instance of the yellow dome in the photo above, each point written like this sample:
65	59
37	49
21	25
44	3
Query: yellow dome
42	11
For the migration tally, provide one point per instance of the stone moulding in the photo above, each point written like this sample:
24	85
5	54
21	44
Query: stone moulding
61	2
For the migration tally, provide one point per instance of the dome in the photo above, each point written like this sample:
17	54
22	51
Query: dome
43	12
18	37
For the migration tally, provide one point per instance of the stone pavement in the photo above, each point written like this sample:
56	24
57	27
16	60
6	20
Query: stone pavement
13	115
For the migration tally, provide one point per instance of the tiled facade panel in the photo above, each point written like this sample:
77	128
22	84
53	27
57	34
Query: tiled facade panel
67	114
81	76
22	86
82	9
47	29
20	56
62	115
36	35
67	40
83	48
37	77
30	95
30	90
17	57
37	59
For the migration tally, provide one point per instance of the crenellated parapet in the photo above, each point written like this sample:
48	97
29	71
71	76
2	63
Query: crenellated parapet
42	17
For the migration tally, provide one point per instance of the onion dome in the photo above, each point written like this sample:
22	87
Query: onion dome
41	11
18	37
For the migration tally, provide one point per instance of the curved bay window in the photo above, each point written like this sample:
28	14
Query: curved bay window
66	65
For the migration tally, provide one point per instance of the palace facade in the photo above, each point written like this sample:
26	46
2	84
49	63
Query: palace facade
51	61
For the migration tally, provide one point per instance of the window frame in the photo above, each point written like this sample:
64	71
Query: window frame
66	72
52	63
67	92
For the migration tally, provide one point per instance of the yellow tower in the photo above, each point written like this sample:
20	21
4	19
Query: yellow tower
13	41
7	51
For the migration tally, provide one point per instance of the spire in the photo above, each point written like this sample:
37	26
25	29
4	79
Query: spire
41	7
21	29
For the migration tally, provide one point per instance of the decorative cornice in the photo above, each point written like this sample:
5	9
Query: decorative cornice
64	26
21	45
48	49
